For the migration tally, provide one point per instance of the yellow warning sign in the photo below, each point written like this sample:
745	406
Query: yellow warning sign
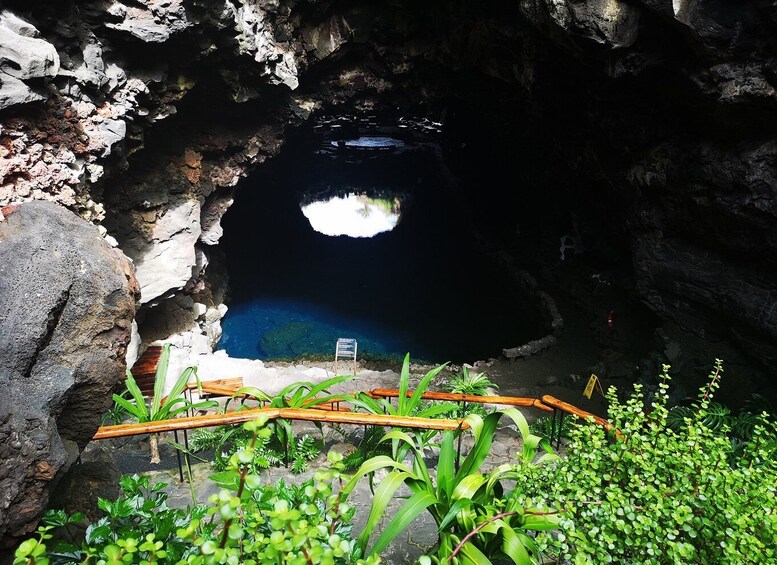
589	388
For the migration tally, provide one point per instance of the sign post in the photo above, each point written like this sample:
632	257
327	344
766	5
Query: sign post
589	388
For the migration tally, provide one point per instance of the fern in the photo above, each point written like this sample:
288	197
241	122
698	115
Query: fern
369	447
299	466
204	439
543	426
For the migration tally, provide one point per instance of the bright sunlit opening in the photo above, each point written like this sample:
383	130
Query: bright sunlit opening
354	215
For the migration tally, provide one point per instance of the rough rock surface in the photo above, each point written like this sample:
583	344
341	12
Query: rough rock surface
23	55
95	476
686	150
67	300
654	119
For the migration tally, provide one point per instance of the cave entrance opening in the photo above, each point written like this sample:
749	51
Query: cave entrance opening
427	285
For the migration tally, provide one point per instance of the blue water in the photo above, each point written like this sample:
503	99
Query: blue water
290	329
426	287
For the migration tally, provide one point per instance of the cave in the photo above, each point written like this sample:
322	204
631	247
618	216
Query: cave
415	279
591	180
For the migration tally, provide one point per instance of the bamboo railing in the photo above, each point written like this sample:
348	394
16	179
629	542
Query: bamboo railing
572	409
222	388
310	415
453	397
187	423
332	412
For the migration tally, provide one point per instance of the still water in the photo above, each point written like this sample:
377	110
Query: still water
410	277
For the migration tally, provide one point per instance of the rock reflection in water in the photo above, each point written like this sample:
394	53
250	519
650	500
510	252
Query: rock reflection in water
354	215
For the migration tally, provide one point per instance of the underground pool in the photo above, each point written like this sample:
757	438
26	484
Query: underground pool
364	234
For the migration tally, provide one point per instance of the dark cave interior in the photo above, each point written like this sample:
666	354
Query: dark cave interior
545	136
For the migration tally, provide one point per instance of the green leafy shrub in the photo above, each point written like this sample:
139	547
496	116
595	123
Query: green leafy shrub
139	524
225	441
475	518
245	523
252	527
661	495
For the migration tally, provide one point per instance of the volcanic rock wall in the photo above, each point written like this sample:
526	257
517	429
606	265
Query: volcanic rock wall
663	111
67	300
657	115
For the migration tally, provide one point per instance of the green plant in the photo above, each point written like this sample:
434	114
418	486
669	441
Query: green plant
136	526
474	516
719	419
472	383
35	551
269	452
115	414
245	523
369	446
543	426
407	405
254	527
466	382
654	494
159	410
296	395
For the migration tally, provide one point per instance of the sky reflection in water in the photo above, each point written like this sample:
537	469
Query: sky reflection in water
354	215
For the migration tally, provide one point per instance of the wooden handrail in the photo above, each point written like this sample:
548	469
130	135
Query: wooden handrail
455	397
192	422
572	409
208	387
311	415
218	390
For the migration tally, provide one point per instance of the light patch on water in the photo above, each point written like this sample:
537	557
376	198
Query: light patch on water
354	215
370	142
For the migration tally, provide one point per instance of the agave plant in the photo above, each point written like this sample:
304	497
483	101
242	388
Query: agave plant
472	383
475	518
161	407
466	382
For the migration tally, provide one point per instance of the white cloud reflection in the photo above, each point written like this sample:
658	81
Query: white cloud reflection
354	215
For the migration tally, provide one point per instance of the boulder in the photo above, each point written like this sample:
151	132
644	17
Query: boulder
13	92
23	54
151	21
67	300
